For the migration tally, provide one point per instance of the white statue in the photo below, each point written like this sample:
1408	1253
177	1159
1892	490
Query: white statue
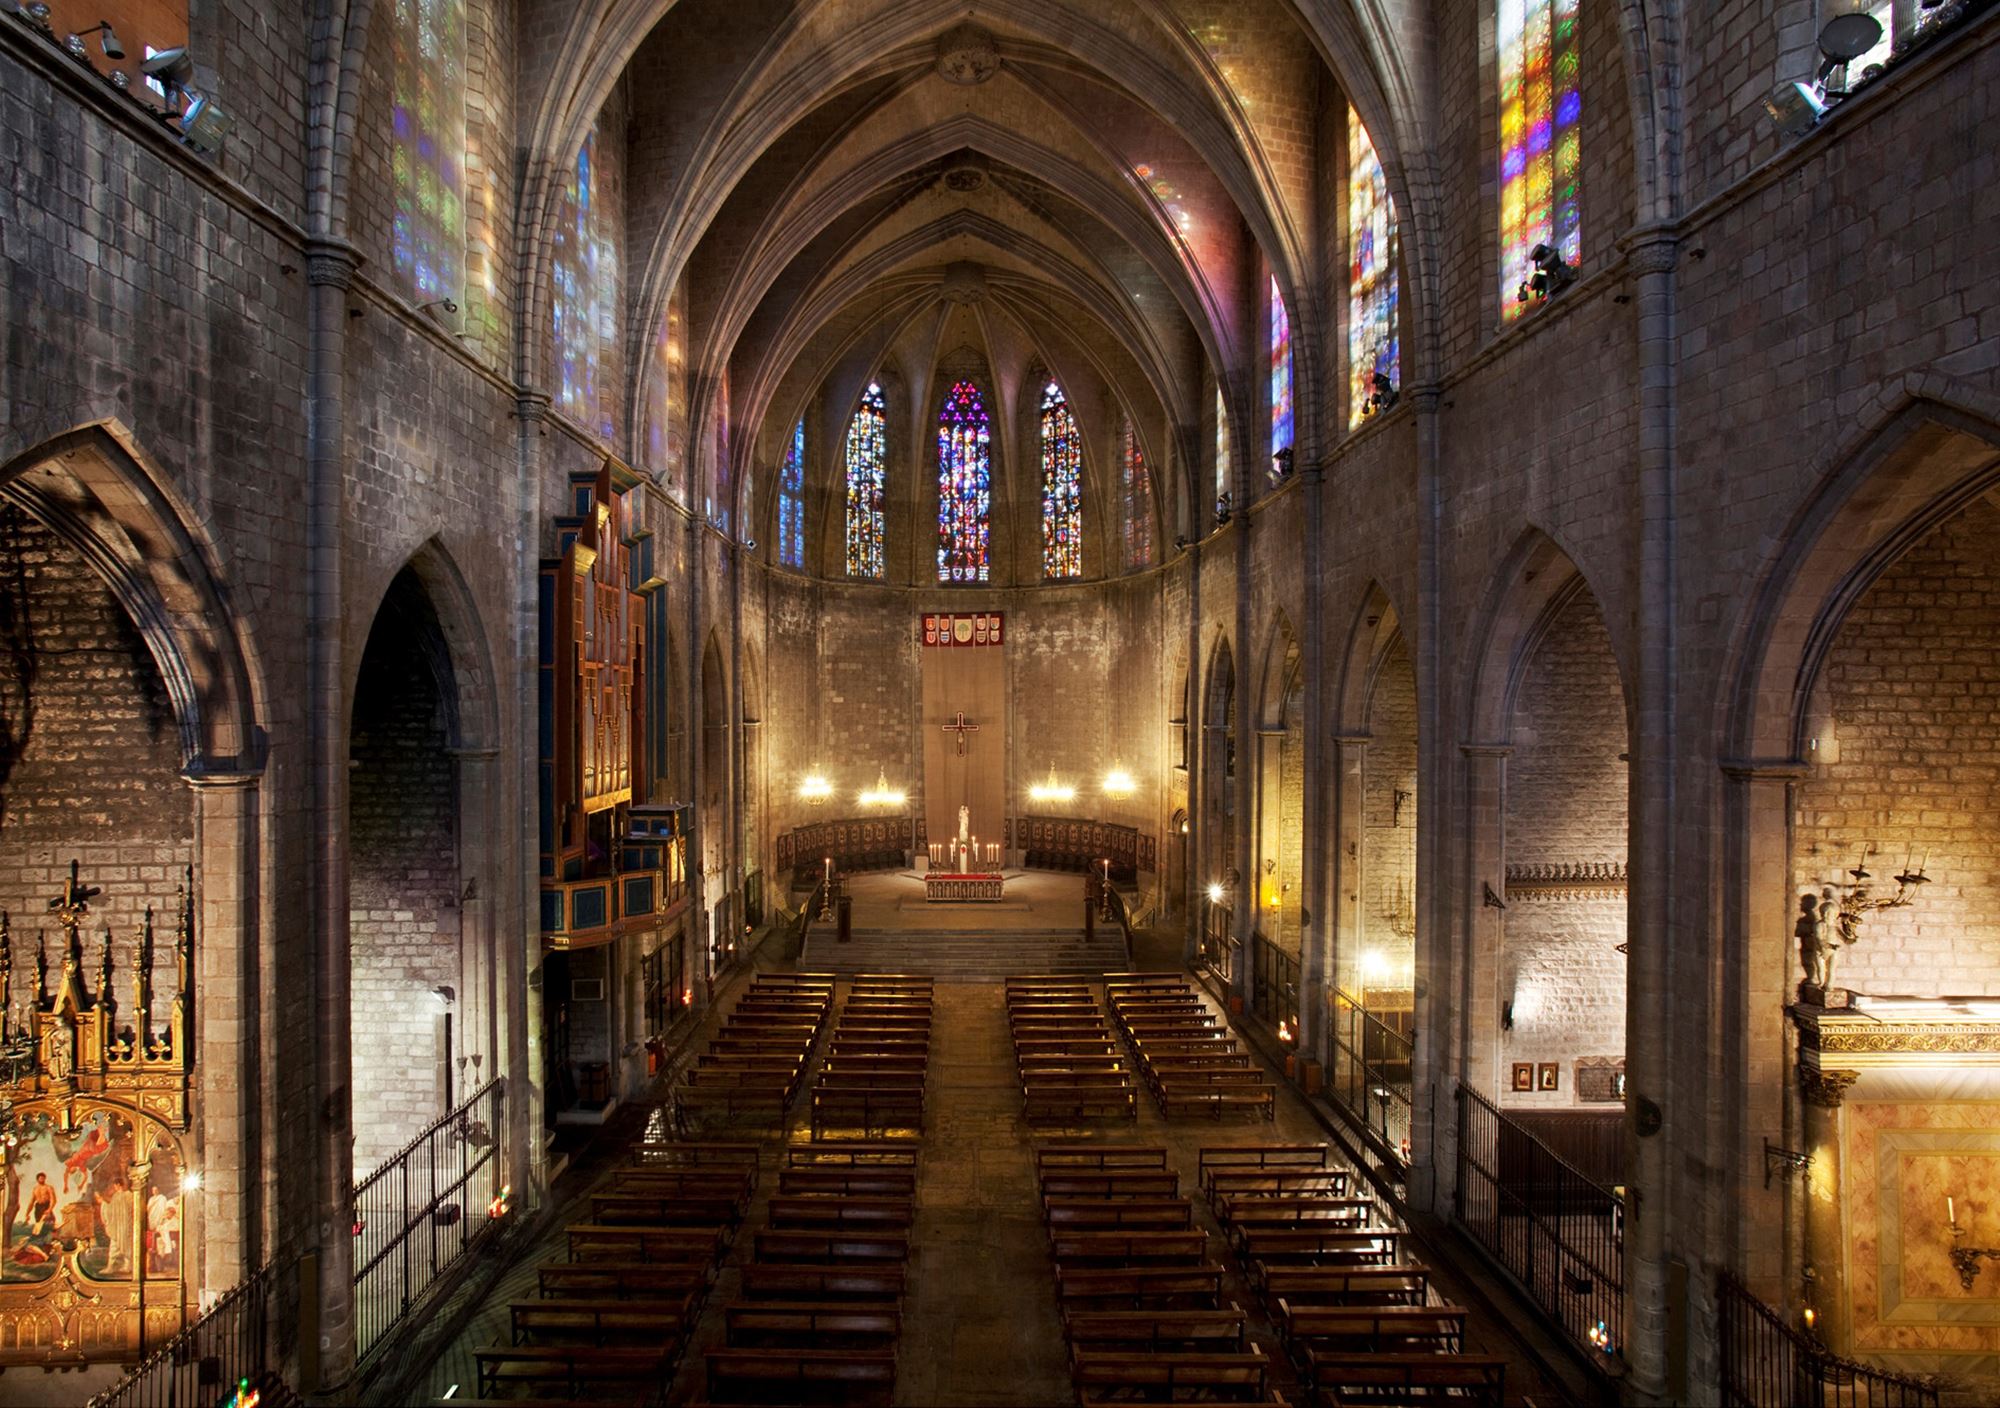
964	839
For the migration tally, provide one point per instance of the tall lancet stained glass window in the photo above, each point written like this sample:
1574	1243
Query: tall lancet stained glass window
1221	445
1281	373
1540	162
1062	487
965	486
792	501
1372	320
867	483
585	268
428	152
1134	480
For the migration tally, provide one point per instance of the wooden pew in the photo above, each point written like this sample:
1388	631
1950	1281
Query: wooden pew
841	1214
1104	1377
855	1153
832	1248
1157	1331
623	1280
848	1376
1057	1095
731	1181
767	1281
1289	1247
1406	1380
1263	1158
849	1182
623	1209
1212	1100
671	1246
753	1325
1346	1285
695	1155
1243	1215
602	1321
1225	1182
1377	1329
1111	1183
1049	1157
872	1107
577	1369
1126	1215
1138	1288
1123	1250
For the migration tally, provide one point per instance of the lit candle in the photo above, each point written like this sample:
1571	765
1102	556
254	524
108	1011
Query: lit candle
1950	1211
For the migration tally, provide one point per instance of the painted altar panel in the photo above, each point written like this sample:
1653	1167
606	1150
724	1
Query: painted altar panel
77	1191
1902	1158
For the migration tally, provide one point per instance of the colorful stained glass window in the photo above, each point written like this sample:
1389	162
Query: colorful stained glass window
792	501
1372	318
584	272
1281	373
1221	444
1062	487
867	483
1540	163
965	486
427	152
1136	482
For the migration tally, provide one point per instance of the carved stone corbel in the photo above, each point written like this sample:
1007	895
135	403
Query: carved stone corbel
1825	1089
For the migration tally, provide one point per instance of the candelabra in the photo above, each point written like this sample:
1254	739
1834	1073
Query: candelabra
1965	1260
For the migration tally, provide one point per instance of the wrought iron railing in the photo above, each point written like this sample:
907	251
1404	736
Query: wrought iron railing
425	1209
232	1342
1215	948
1115	902
1768	1364
1369	1059
1274	985
1559	1234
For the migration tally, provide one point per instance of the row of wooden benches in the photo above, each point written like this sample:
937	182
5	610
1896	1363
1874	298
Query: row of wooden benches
819	1320
756	1063
1069	1065
877	1064
1184	1050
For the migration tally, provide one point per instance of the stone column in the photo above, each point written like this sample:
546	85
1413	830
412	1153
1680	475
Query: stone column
1458	996
1316	860
480	997
330	269
230	964
518	936
1825	1259
1437	924
1344	911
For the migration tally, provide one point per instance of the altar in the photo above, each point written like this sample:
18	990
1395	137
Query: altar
955	887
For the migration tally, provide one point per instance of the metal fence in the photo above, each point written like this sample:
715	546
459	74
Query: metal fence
422	1211
1368	1070
1274	985
1560	1234
1768	1364
232	1342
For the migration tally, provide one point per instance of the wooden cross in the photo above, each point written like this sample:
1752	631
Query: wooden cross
72	906
961	728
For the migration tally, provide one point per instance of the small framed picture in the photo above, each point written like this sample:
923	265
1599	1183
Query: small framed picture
1548	1076
1524	1075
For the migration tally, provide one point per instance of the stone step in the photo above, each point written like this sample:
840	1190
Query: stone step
962	954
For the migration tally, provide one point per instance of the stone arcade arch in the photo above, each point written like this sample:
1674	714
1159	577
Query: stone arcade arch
107	526
1852	721
716	792
1279	884
1219	886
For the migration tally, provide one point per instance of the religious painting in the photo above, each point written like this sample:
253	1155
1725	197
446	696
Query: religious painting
1524	1075
1548	1076
77	1190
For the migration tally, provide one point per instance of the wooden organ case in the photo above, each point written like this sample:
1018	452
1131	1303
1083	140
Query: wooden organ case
93	1118
610	863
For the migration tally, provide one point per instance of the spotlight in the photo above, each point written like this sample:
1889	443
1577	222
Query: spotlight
1552	275
443	994
204	126
444	303
191	1181
171	67
108	43
1845	38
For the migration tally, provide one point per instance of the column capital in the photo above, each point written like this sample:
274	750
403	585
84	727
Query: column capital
1826	1089
202	778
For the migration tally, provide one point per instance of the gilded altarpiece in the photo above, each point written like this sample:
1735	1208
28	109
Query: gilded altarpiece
610	864
93	1117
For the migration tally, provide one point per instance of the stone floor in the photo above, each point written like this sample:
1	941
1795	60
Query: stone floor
980	1324
1035	899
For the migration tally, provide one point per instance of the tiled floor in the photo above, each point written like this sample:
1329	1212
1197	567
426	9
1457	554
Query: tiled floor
980	1323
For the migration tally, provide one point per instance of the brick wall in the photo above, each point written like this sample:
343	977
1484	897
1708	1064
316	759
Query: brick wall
403	882
1913	688
1566	804
89	760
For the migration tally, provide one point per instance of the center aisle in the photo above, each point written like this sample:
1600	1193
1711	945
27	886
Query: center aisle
980	1324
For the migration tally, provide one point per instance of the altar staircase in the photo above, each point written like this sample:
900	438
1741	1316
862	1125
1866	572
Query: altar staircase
964	955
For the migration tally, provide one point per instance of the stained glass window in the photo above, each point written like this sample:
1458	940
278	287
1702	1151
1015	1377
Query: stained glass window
1221	444
1062	487
1540	108
867	480
1281	373
965	486
1135	480
1372	326
792	501
585	268
428	148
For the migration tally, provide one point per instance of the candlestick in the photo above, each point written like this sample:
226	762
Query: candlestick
1950	1211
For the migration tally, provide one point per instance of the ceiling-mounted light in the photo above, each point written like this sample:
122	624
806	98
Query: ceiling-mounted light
1054	790
1119	783
815	789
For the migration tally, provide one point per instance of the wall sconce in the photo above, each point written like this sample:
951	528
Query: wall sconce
1785	1160
1965	1260
108	43
882	794
1217	893
815	789
1119	783
1053	790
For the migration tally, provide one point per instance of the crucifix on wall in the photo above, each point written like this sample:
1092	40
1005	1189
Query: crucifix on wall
961	728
